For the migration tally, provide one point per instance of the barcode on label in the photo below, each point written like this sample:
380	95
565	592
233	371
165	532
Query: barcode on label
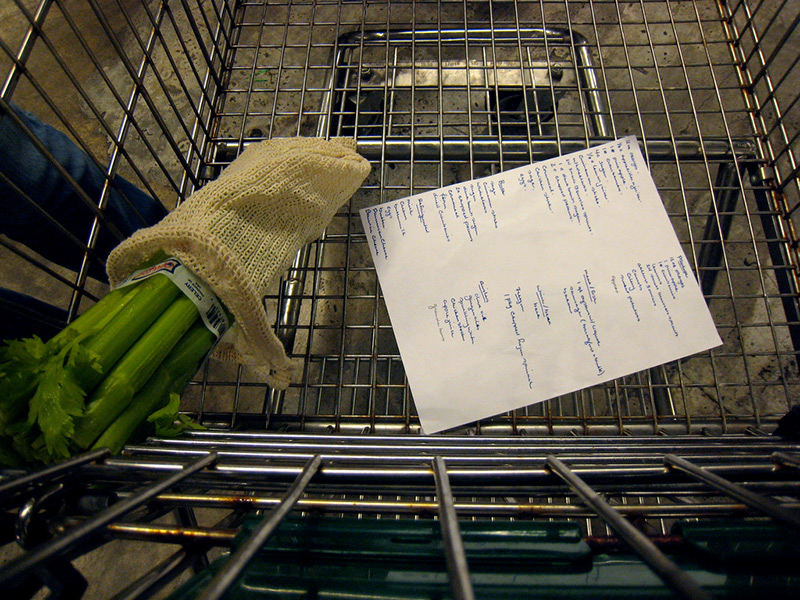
215	319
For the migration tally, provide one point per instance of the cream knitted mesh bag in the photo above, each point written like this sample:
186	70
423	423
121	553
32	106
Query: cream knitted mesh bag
240	232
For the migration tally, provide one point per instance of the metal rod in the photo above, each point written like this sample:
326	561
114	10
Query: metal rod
371	458
587	73
756	501
19	66
554	423
786	460
494	444
474	508
49	473
718	226
185	516
454	546
781	255
171	534
193	541
483	149
237	563
412	451
224	536
23	566
668	571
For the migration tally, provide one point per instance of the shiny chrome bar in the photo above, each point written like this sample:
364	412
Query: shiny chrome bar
26	564
236	564
763	504
52	472
457	568
680	581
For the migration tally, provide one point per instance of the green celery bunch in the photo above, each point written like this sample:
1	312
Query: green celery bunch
97	381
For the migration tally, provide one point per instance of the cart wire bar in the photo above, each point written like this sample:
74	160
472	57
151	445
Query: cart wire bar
223	580
30	561
768	506
48	474
785	459
669	572
454	546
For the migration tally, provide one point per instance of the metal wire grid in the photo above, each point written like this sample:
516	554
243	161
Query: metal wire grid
133	84
179	88
438	96
390	477
772	97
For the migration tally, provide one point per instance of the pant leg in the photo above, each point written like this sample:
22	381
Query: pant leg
128	207
30	173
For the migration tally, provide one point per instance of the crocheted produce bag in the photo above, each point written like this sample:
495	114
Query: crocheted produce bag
240	232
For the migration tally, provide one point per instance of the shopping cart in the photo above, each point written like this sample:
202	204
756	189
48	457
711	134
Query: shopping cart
669	480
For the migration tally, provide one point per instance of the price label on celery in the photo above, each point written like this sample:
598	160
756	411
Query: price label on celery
209	307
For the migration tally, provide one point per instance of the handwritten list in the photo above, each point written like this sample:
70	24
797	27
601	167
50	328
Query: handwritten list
532	283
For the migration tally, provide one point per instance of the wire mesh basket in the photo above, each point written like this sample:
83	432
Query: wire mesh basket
163	95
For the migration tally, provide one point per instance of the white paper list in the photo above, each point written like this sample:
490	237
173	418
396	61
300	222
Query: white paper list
532	283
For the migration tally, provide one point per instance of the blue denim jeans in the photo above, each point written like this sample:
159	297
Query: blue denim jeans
27	172
128	208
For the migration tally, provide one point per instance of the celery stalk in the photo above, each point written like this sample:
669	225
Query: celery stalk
133	370
152	298
100	314
171	376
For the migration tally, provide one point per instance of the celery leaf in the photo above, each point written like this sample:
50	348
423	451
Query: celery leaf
169	422
53	407
42	378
